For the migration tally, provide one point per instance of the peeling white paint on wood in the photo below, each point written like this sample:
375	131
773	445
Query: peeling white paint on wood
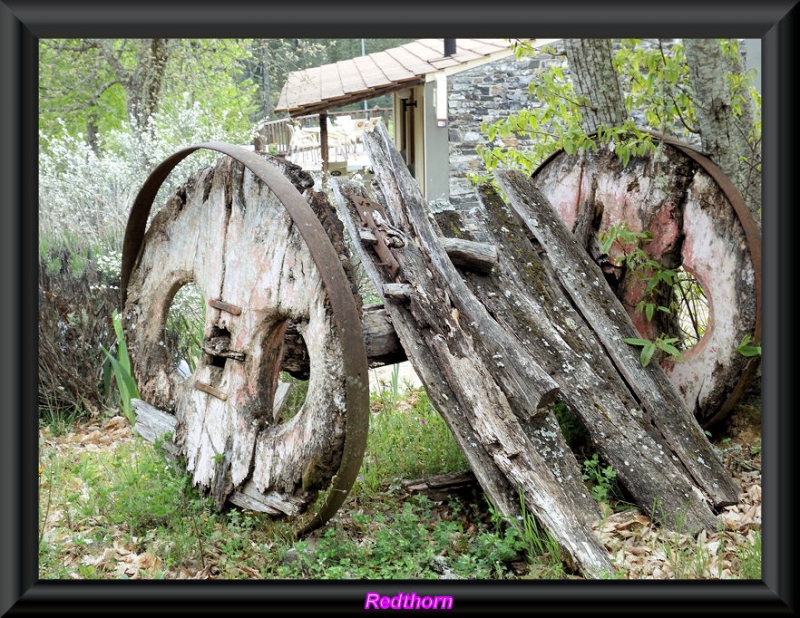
235	240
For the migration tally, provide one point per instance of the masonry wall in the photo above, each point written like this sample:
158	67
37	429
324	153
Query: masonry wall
486	94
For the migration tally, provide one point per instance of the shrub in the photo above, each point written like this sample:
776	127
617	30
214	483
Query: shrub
76	301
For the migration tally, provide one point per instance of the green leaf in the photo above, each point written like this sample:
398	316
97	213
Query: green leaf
636	342
124	379
745	349
648	348
624	153
122	349
106	377
647	353
669	349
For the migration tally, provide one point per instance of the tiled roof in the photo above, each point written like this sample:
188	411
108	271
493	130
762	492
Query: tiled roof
349	81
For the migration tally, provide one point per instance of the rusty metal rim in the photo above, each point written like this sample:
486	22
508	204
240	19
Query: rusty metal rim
345	313
752	236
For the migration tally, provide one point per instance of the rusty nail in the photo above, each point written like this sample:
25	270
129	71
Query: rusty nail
223	306
207	388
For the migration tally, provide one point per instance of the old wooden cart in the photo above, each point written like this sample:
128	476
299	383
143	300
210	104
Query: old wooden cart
501	315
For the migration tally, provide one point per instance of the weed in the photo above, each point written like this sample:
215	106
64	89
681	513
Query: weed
297	395
746	348
74	323
662	342
408	443
601	479
121	366
389	394
542	549
686	298
749	556
58	419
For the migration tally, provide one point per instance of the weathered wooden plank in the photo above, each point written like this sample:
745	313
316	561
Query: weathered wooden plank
441	486
281	397
476	374
155	425
470	255
661	404
383	346
465	254
527	298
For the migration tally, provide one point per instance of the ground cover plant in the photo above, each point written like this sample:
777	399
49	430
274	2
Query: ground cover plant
112	506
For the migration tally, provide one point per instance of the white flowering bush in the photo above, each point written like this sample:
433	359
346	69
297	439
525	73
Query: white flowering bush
85	196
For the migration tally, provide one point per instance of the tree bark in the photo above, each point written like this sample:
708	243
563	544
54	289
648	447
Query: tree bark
596	83
143	84
723	134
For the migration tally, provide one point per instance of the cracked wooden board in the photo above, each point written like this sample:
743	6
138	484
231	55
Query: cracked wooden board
444	317
485	383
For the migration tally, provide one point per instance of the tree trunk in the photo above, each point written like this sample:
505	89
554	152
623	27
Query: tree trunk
724	134
596	83
145	83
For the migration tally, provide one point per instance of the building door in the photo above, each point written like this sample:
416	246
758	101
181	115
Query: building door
408	114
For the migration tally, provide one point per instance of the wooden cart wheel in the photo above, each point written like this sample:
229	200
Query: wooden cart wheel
260	259
699	223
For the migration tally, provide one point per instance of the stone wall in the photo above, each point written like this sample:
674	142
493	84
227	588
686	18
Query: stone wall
488	93
485	94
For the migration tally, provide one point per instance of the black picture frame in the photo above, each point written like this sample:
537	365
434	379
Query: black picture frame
23	22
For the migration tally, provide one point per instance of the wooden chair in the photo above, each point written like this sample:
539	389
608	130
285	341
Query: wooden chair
302	141
356	133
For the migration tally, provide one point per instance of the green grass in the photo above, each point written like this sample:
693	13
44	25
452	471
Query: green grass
105	506
407	443
750	558
128	512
